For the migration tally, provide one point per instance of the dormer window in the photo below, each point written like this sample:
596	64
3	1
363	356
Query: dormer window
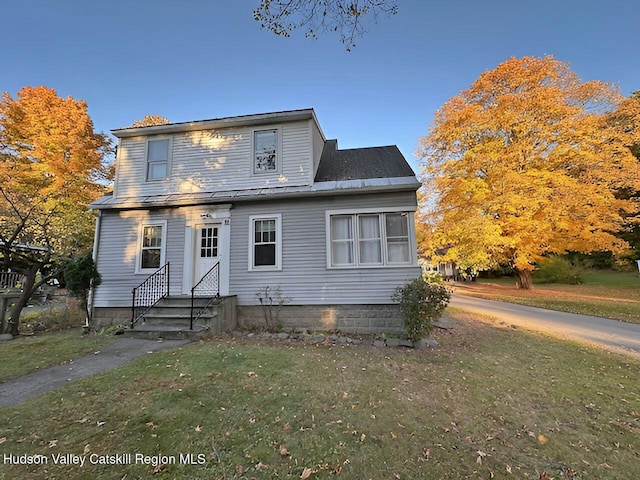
265	151
158	158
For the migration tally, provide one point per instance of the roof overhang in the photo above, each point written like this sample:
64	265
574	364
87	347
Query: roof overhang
216	123
318	189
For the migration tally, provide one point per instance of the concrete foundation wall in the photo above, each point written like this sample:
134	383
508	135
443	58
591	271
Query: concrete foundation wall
345	318
104	317
227	313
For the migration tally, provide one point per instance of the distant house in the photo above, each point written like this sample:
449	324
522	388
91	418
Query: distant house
257	201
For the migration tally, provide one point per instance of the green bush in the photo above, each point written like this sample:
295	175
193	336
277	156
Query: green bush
555	269
422	303
80	275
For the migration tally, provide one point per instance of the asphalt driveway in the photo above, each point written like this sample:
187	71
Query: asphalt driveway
610	334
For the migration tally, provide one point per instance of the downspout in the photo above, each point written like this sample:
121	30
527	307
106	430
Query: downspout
96	242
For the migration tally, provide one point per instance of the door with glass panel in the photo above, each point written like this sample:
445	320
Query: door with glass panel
207	250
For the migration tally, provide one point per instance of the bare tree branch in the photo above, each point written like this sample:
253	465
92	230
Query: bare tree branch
346	18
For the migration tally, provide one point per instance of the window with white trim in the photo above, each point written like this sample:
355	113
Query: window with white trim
152	247
265	151
397	230
158	158
265	245
369	239
342	244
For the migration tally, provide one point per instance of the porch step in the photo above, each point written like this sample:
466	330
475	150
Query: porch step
157	332
170	319
176	319
176	311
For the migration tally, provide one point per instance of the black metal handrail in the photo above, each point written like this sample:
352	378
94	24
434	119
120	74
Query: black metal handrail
149	292
208	287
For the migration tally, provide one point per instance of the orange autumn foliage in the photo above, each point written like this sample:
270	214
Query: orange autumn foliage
51	143
527	162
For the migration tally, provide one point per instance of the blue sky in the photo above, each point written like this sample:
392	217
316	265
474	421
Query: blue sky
199	59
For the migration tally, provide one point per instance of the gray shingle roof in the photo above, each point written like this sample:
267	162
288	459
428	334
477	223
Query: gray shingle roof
361	163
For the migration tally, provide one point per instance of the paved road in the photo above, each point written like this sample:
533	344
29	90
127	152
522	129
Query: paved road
116	353
611	334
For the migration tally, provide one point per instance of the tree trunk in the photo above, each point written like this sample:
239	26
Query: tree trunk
525	280
27	291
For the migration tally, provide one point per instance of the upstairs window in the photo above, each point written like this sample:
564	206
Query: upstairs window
265	151
157	159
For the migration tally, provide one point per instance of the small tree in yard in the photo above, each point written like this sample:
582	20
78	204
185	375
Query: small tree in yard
81	275
272	299
422	303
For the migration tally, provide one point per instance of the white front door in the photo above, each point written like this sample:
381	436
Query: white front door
206	251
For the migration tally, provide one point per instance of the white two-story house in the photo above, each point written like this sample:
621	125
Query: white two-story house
265	201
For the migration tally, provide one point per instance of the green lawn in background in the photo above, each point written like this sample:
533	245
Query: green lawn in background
605	293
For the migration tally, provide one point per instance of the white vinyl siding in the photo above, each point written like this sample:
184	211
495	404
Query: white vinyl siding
118	254
317	141
305	276
215	161
378	239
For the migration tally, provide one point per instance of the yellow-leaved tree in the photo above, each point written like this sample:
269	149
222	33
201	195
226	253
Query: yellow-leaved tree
527	162
150	121
52	164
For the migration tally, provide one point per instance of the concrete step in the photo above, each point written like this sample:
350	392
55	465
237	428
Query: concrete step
182	322
181	301
177	311
171	318
156	332
169	312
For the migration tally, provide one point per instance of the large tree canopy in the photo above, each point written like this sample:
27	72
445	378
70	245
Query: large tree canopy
51	167
347	18
527	162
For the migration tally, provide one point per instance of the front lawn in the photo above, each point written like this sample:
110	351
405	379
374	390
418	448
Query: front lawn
27	354
487	403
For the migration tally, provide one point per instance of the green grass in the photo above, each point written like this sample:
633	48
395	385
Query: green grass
29	353
487	403
606	294
610	278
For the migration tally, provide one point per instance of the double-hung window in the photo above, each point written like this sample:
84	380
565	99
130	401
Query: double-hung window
265	243
342	240
158	158
369	239
397	230
152	247
265	151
